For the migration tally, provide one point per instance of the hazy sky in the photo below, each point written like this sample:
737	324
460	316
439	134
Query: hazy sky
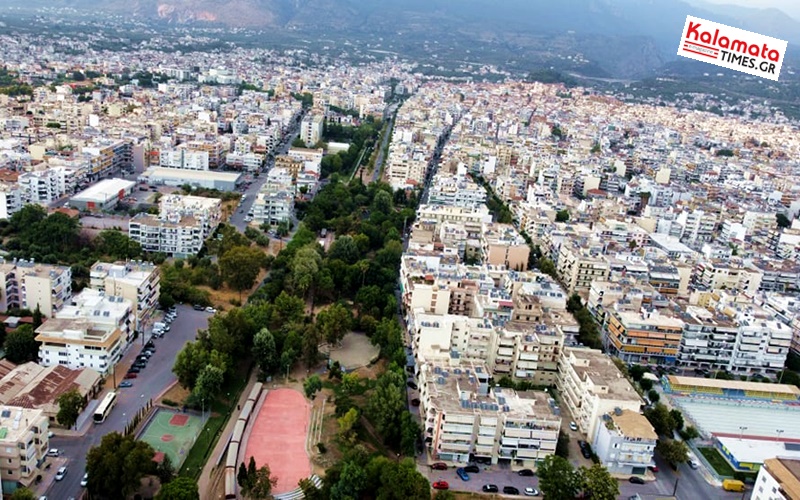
790	7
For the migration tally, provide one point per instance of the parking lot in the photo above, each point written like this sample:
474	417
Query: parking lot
489	474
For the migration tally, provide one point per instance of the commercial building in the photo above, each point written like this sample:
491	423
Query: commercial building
105	195
23	446
778	479
591	385
224	181
79	343
137	281
625	442
464	419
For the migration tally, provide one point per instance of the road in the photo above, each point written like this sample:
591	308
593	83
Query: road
237	218
389	124
151	382
691	485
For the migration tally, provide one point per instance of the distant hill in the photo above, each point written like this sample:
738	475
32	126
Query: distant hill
620	37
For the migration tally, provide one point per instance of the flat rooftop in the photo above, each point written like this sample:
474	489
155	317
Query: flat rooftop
181	173
757	451
720	417
104	190
713	383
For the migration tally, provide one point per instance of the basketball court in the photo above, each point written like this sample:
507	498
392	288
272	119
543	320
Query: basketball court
172	433
278	438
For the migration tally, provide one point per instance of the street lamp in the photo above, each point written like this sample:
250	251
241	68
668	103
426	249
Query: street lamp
742	428
780	432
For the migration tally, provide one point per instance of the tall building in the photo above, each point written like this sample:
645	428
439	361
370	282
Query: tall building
311	129
648	336
136	281
625	442
23	446
43	285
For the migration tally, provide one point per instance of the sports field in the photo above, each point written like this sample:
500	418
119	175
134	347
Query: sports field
172	433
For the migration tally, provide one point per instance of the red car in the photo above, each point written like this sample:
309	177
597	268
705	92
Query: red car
654	468
439	466
441	485
130	375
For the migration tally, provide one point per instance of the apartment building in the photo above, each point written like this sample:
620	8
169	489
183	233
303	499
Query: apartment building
436	336
106	311
778	479
44	285
577	267
459	215
23	446
250	162
407	164
40	187
179	237
10	199
591	385
708	340
136	281
625	442
311	129
456	191
464	419
527	351
273	207
502	245
184	158
646	336
80	343
207	211
698	226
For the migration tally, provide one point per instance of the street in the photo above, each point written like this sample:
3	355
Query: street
238	216
150	383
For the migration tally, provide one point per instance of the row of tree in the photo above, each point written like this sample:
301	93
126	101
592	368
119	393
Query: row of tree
559	480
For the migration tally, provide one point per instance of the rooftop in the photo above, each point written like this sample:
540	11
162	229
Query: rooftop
734	384
633	425
104	190
15	422
181	173
786	472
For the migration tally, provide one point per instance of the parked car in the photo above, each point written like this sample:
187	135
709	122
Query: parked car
525	472
85	479
211	310
510	490
653	468
441	485
412	384
693	464
131	375
472	468
531	492
462	474
573	426
60	473
415	402
126	383
134	369
490	488
198	307
636	480
53	452
439	466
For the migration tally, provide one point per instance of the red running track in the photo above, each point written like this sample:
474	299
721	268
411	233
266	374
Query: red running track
278	438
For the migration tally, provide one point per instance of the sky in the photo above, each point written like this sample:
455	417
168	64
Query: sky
790	7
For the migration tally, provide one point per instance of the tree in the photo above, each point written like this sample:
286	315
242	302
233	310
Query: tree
311	385
189	362
547	267
209	383
165	470
265	352
241	476
240	266
677	418
347	428
23	494
305	267
298	143
182	488
117	466
689	433
345	249
261	483
409	434
117	245
21	345
562	445
673	451
70	405
660	419
37	318
558	480
598	481
783	221
562	215
646	384
653	396
334	322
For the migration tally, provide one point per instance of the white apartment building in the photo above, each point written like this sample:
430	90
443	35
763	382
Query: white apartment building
208	211
40	187
179	236
184	158
577	267
10	199
311	129
79	343
591	385
434	336
32	284
24	443
625	442
778	479
526	351
105	311
407	164
461	215
463	418
698	226
136	281
251	162
456	190
273	208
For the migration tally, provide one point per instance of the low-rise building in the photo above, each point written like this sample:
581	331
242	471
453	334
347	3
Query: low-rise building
778	479
591	385
79	343
625	442
463	418
136	281
105	195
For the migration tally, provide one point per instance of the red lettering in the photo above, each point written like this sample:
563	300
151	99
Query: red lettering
693	30
705	37
724	42
751	51
773	55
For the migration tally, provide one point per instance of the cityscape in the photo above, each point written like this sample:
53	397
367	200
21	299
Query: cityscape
268	258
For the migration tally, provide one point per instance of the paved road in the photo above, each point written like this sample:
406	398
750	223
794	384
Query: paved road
390	124
151	382
237	218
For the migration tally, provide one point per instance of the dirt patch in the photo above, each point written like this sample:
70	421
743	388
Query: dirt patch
221	299
355	351
176	393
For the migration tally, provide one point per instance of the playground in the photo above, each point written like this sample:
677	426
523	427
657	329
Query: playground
278	438
171	433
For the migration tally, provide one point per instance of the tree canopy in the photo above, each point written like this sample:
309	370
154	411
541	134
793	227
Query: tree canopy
117	465
70	405
182	488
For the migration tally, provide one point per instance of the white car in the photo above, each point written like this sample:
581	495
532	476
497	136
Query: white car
53	452
531	492
85	480
62	471
573	426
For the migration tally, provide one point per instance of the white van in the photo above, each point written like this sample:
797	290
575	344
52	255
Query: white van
158	325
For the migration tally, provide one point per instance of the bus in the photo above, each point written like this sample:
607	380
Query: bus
102	411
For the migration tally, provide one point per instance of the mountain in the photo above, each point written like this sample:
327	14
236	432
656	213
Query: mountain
620	38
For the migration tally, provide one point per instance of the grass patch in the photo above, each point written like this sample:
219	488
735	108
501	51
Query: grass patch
221	410
717	461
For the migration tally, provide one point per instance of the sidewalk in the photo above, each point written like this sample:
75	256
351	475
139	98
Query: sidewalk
207	480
